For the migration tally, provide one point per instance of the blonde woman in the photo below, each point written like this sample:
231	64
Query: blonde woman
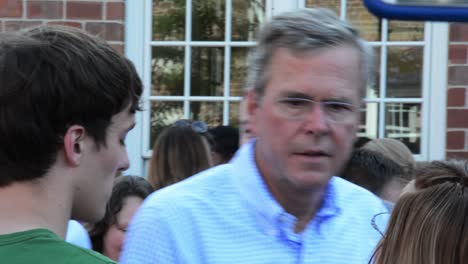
429	224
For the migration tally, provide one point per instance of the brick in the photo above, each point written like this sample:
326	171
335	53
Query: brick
119	48
45	9
84	10
457	118
456	97
17	25
458	32
9	8
458	75
115	11
457	155
67	23
456	140
458	54
107	31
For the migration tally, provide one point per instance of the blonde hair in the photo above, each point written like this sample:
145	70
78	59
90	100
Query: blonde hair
178	152
430	225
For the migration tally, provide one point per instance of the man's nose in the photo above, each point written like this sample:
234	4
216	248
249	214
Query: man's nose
316	120
124	163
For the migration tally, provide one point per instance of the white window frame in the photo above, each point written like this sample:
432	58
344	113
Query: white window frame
434	90
138	45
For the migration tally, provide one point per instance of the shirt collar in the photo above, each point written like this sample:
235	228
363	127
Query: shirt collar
331	204
250	183
254	191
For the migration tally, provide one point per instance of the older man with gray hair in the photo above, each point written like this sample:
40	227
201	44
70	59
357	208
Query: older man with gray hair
277	201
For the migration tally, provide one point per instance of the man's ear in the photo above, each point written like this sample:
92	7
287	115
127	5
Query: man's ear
73	144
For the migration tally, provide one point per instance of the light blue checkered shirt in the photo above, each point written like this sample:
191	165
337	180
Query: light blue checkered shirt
227	215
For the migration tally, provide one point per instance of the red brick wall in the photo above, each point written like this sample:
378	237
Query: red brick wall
99	17
457	103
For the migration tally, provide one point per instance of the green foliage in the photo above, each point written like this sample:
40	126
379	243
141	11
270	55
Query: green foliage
208	20
169	20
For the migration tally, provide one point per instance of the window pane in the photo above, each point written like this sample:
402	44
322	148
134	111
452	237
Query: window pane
167	71
373	90
208	20
369	126
334	5
247	15
209	112
234	114
369	26
169	20
405	31
207	78
162	115
238	70
404	72
403	122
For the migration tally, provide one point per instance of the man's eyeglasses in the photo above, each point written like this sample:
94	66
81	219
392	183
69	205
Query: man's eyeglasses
197	126
299	108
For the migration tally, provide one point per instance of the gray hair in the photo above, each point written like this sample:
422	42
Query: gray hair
302	31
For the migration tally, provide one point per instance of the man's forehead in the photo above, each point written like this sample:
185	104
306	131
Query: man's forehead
334	66
333	56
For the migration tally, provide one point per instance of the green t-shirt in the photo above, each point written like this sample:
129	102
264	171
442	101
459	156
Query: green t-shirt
41	246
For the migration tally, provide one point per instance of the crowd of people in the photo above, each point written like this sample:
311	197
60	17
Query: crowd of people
291	185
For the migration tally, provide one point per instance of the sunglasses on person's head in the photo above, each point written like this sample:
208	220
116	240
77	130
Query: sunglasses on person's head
197	126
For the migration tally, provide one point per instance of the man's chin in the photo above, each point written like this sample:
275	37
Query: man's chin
311	180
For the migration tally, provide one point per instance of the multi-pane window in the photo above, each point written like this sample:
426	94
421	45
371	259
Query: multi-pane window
395	100
198	59
192	55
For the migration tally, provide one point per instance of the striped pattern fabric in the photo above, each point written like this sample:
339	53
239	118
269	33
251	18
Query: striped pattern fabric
227	215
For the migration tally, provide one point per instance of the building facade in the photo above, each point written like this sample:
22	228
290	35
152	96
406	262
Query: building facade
192	55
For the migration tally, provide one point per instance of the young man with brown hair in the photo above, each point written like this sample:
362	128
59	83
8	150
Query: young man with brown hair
67	101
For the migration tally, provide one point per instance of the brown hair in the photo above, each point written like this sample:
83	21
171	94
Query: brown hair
53	77
371	170
430	225
178	152
394	150
124	186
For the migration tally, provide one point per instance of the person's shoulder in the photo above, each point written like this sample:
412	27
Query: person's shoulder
205	182
350	195
178	206
359	207
43	246
83	255
210	182
75	254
